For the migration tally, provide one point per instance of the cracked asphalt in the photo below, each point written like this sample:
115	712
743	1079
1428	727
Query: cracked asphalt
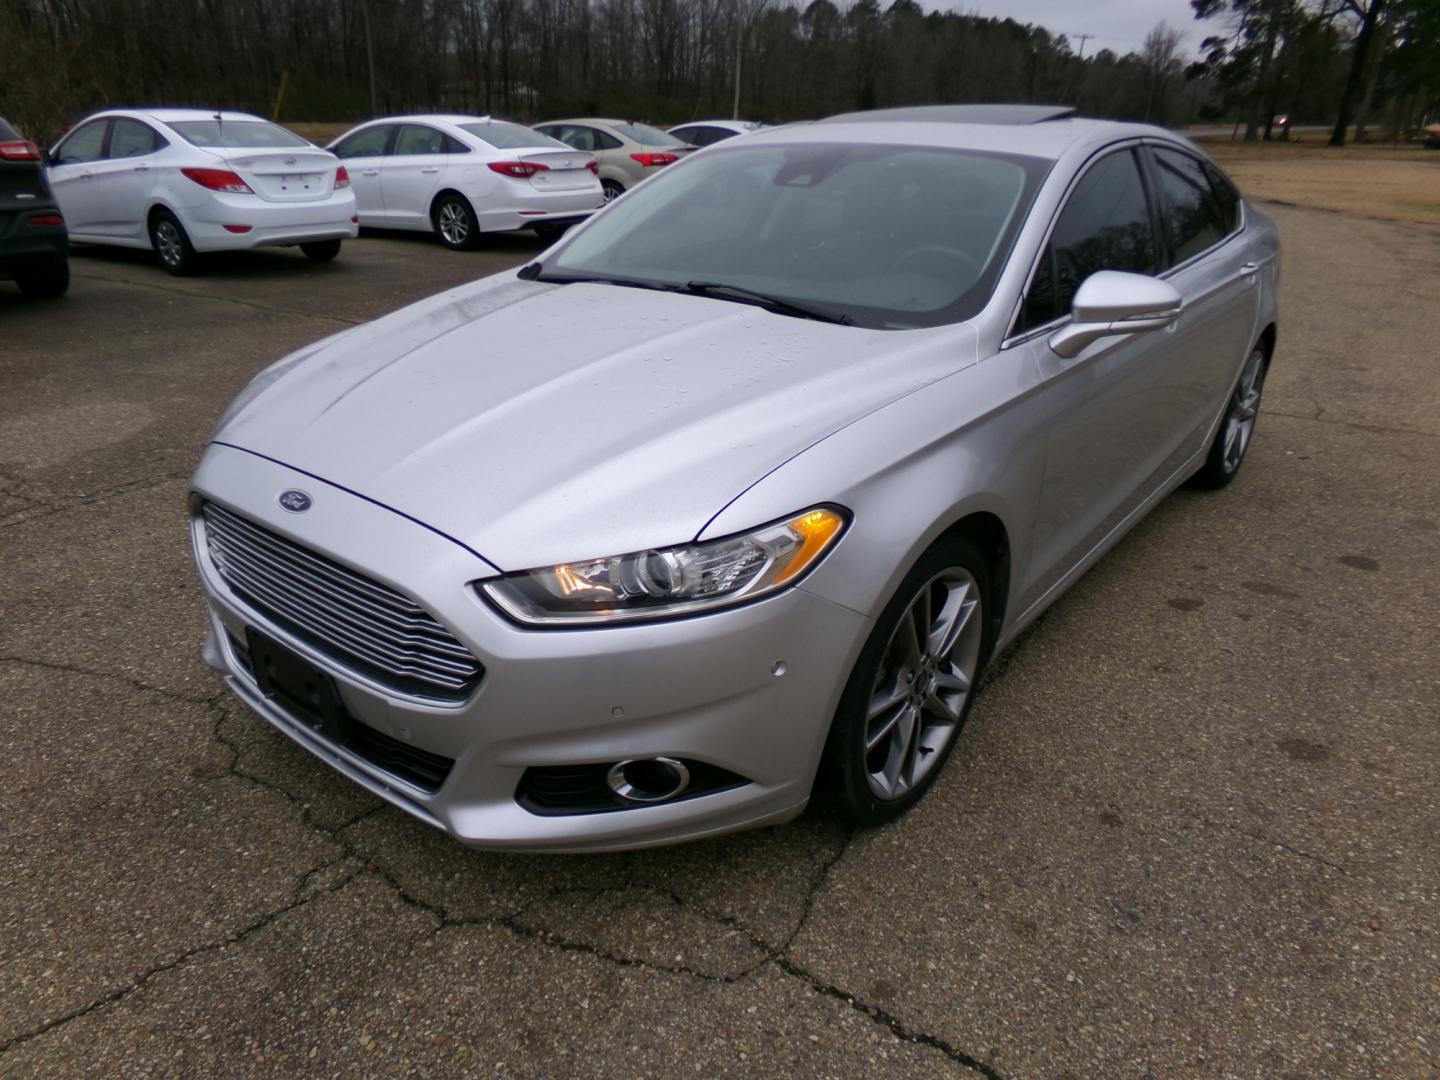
1192	829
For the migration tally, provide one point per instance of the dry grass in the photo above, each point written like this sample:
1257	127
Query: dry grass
1396	183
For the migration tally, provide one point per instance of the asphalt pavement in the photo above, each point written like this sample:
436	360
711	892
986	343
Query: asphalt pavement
1193	827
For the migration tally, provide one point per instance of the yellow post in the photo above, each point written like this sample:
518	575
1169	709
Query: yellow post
280	97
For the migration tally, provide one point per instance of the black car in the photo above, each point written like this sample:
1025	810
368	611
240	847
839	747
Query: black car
34	247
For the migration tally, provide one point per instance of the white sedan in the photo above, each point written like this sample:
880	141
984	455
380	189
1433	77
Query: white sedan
183	181
704	133
460	176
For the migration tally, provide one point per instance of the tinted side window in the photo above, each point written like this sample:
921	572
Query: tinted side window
368	143
1105	226
1226	196
130	138
414	139
606	142
84	144
455	146
1188	204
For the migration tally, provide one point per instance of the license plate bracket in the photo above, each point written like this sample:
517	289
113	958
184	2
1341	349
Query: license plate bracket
302	689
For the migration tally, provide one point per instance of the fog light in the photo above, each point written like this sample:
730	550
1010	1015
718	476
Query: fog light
648	780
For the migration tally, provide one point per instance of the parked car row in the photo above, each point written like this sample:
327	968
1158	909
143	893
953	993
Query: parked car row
183	182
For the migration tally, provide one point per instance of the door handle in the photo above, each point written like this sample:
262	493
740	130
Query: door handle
1246	269
142	168
369	172
431	169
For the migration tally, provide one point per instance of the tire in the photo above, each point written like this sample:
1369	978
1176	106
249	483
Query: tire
1237	428
172	245
550	233
454	221
45	281
321	251
872	772
613	189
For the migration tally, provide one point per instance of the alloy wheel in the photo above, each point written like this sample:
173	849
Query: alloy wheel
168	243
925	679
1244	407
454	224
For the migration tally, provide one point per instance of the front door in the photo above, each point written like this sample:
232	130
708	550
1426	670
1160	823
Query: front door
72	177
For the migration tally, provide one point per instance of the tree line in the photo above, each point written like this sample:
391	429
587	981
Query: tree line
666	61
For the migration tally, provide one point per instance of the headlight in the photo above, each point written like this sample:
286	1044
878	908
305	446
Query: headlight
669	581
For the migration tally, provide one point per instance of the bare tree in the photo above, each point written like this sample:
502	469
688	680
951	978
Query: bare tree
1160	55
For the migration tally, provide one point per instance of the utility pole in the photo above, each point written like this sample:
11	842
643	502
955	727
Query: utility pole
369	53
1083	38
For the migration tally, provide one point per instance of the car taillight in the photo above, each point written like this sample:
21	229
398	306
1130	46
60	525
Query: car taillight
19	150
593	166
655	159
342	178
47	219
219	180
520	170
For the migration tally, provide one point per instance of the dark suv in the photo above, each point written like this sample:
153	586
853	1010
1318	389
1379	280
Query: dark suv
34	247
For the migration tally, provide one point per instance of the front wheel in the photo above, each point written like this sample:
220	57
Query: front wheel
45	282
911	690
321	250
172	245
1238	427
454	222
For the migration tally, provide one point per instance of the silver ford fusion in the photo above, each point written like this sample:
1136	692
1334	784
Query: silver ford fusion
729	497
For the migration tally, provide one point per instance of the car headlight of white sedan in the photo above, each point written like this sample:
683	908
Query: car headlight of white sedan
670	581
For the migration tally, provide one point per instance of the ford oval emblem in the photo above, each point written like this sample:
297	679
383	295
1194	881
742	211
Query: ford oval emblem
295	501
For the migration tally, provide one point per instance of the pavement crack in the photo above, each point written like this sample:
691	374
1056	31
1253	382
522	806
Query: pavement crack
98	673
1376	429
196	293
234	937
1271	841
48	507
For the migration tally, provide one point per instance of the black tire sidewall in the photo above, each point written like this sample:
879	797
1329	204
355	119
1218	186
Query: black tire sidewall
46	281
842	779
321	250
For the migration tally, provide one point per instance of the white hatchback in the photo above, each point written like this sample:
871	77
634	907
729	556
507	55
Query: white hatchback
183	181
460	176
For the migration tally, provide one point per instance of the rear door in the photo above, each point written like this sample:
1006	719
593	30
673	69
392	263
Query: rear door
411	173
363	153
72	176
1211	266
122	179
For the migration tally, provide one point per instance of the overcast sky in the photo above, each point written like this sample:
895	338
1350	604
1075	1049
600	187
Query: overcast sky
1118	25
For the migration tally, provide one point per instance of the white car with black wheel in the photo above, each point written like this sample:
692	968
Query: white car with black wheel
461	176
187	181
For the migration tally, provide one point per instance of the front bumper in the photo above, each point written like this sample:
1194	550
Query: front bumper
701	688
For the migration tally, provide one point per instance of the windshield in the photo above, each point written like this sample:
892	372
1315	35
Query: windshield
892	237
645	135
236	134
506	136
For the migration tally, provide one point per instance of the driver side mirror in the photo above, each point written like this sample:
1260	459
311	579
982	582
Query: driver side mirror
1110	303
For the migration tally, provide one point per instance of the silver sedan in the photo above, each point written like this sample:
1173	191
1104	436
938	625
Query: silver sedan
646	542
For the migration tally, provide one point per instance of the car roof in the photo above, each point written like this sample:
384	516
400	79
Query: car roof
733	125
1047	132
440	118
172	116
599	121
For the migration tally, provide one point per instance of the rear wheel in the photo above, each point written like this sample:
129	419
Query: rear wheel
1238	427
613	189
45	281
912	687
454	222
172	245
321	250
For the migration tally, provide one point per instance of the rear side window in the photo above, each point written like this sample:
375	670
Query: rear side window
646	135
702	136
415	139
368	143
604	141
1192	213
1226	196
84	144
1105	225
131	138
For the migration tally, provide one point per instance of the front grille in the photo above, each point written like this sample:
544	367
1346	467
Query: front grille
354	620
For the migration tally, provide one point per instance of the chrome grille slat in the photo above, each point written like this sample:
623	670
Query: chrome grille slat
353	618
412	631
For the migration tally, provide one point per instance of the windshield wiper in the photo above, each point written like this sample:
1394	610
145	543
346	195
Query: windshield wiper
534	272
774	303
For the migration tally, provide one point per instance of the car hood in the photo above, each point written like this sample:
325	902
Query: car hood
539	424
